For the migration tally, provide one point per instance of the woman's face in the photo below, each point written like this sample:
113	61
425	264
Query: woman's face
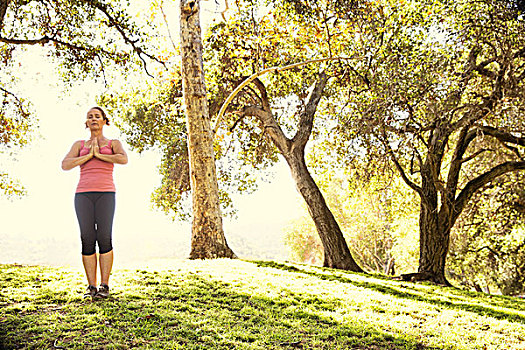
95	119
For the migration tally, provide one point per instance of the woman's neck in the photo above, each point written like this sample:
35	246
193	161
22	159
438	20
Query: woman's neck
96	134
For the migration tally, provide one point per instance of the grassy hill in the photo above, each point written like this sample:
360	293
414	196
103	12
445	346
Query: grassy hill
234	304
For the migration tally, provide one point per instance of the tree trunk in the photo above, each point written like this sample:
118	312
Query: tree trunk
434	223
207	235
336	252
434	238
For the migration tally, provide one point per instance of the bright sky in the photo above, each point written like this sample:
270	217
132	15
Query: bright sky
41	228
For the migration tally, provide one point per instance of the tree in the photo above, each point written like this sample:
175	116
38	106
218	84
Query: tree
244	52
84	37
441	94
335	249
207	238
440	85
152	117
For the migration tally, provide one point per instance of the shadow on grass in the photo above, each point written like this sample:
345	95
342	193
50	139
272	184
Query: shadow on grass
404	294
190	311
208	314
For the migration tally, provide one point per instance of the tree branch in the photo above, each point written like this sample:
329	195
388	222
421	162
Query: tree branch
502	136
265	101
480	181
19	102
401	171
470	118
47	39
474	155
306	119
258	74
223	13
167	27
133	43
271	127
483	70
484	247
466	136
464	139
237	122
408	128
519	53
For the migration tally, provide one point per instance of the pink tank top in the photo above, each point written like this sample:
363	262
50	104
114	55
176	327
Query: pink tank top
95	174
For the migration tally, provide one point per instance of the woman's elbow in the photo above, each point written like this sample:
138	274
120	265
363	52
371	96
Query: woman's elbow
67	164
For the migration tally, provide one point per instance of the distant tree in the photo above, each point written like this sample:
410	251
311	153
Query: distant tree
152	117
84	37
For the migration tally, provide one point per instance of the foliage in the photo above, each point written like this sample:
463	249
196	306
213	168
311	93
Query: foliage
303	241
84	37
424	76
15	126
233	50
253	39
486	251
288	133
225	304
10	188
487	248
152	117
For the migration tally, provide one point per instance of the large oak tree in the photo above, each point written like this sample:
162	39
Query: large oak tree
441	95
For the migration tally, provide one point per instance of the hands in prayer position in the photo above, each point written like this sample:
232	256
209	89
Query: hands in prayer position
94	149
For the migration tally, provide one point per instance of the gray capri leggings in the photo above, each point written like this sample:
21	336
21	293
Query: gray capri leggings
95	211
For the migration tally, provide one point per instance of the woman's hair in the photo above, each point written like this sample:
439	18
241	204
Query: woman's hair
102	112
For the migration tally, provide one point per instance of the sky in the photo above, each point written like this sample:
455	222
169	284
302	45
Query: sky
41	228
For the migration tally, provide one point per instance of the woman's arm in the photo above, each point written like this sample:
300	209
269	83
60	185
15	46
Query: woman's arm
119	156
72	159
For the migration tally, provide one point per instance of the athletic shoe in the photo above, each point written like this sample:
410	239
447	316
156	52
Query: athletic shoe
91	291
103	292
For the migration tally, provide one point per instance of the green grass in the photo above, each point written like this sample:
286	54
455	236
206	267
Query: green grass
234	304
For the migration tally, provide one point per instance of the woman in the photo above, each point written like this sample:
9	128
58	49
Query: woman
95	198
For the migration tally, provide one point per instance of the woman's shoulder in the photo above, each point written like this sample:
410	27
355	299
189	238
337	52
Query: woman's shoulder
114	142
79	143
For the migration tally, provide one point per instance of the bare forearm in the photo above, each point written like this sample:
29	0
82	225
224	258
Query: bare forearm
113	158
70	163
